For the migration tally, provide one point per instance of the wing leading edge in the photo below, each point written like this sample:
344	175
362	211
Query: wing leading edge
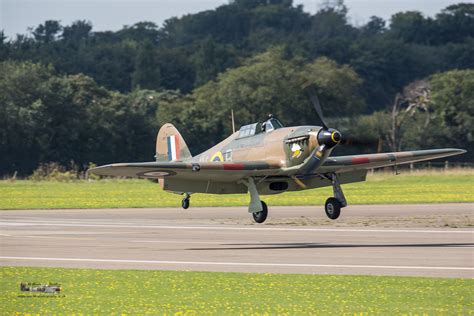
372	161
187	170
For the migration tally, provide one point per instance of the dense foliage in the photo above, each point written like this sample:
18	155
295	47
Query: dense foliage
69	93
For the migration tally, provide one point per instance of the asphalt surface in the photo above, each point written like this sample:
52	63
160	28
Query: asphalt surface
294	240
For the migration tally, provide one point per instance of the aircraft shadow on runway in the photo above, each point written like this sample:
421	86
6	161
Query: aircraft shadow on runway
266	246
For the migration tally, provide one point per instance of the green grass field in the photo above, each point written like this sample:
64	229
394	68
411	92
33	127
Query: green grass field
381	188
132	292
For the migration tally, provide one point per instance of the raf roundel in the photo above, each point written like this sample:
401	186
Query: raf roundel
217	157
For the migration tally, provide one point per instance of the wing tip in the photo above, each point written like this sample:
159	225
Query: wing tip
96	170
455	151
101	170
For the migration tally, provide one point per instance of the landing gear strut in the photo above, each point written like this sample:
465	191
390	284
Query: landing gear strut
334	204
185	202
257	208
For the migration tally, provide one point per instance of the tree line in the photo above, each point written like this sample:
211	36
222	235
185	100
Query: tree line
68	93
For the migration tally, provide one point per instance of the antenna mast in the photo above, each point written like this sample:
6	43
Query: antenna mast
233	123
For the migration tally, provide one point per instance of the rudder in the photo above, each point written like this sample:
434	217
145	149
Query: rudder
170	145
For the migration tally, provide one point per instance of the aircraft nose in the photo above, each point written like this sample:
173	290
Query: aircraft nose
336	136
330	137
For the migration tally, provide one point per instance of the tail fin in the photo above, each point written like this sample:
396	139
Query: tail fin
170	145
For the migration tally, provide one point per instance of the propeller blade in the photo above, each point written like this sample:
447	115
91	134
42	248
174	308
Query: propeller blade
352	141
313	97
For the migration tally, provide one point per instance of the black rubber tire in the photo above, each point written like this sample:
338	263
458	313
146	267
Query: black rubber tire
261	216
185	203
333	208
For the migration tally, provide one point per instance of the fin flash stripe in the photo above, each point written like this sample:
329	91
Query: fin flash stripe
173	147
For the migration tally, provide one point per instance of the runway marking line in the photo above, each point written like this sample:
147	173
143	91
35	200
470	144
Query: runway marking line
179	242
257	264
221	243
65	224
50	237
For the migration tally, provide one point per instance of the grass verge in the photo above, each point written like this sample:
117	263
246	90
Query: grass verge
132	292
381	188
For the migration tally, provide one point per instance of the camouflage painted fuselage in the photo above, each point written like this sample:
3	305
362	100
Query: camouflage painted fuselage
281	148
275	150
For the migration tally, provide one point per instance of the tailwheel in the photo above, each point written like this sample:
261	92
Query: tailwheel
333	208
185	202
261	216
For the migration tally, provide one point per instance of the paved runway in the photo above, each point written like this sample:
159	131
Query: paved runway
294	240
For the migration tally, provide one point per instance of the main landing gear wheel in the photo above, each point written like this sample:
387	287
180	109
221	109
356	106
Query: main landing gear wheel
261	216
333	208
185	202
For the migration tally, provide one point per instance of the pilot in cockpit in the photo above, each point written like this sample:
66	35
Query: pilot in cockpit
270	124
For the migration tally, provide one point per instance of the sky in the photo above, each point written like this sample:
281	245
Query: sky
17	15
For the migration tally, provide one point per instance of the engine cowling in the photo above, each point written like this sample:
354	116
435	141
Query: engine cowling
300	144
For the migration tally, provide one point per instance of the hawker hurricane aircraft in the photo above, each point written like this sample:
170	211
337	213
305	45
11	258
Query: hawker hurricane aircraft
263	158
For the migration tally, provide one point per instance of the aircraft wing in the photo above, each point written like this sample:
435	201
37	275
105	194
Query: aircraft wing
234	171
224	171
372	161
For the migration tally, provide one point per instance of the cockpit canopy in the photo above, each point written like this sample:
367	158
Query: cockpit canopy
257	128
271	124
